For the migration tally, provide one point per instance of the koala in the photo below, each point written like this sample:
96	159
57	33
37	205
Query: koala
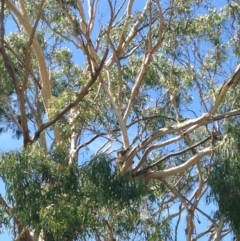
121	158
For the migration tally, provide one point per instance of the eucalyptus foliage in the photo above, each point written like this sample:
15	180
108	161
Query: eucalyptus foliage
81	81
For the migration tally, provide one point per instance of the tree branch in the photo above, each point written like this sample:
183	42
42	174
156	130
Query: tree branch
191	161
81	95
46	90
171	155
29	44
232	82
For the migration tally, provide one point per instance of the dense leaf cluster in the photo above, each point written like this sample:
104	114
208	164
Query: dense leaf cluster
66	201
225	179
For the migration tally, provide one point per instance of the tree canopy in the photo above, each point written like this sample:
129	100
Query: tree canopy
128	117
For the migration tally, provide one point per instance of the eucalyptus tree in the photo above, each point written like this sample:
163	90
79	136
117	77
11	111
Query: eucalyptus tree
155	80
